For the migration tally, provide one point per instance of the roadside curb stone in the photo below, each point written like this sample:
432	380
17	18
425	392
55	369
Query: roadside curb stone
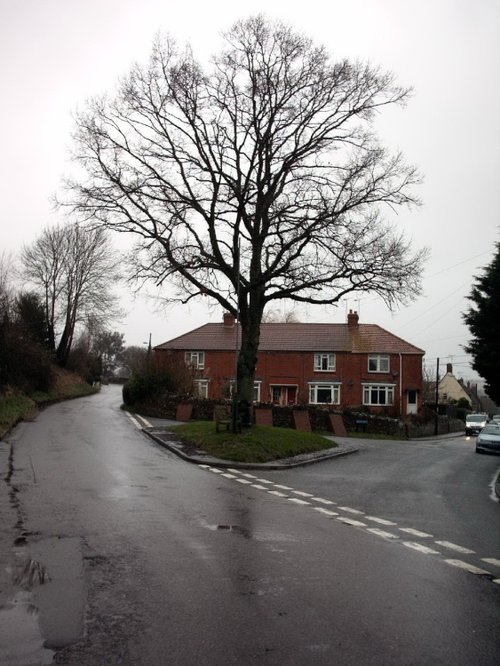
164	438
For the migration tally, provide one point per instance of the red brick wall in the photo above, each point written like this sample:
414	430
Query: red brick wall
296	368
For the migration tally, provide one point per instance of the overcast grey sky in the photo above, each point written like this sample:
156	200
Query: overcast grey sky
56	53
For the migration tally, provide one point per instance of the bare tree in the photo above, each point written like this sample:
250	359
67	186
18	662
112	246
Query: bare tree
74	270
259	179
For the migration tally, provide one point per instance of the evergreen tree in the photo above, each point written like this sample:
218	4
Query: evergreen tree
483	320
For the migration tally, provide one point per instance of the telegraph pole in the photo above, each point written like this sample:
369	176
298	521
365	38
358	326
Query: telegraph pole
436	427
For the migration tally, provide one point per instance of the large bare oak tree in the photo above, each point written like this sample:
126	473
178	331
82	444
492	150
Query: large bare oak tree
256	179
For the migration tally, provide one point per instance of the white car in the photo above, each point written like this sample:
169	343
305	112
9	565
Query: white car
474	423
489	439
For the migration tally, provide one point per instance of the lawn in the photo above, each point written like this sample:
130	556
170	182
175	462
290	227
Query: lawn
256	444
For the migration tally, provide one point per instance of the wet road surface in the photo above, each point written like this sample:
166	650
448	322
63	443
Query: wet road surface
127	555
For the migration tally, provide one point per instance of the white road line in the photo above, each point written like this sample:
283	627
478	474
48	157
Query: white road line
277	493
380	521
134	420
326	512
233	471
492	560
249	476
145	421
496	580
349	510
421	549
468	567
302	494
417	533
453	546
296	500
277	485
215	470
204	466
351	521
243	481
259	487
322	500
228	476
382	533
264	481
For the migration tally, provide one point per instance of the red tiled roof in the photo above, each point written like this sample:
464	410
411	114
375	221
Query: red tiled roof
363	338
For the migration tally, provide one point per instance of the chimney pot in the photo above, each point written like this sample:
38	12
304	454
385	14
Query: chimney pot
228	319
352	319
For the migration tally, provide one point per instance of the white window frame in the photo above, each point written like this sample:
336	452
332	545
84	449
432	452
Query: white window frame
378	359
334	388
386	389
324	362
256	389
195	359
201	388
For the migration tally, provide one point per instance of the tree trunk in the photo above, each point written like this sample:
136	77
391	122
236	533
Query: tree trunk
250	321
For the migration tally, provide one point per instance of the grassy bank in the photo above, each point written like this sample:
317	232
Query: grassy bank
16	406
258	444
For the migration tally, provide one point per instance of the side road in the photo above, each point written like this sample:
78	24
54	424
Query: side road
161	432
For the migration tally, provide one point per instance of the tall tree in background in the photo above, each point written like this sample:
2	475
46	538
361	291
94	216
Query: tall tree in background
109	347
73	269
256	180
483	320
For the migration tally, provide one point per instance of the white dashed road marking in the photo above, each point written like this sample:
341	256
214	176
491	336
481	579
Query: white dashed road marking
275	489
349	510
453	546
351	521
380	521
382	533
325	512
468	567
417	533
420	548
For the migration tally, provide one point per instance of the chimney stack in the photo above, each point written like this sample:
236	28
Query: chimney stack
352	319
228	319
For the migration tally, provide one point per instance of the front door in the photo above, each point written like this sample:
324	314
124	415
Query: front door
411	404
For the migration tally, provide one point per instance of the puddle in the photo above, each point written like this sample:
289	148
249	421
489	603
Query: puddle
21	642
237	529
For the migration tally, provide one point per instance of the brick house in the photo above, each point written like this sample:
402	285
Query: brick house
342	365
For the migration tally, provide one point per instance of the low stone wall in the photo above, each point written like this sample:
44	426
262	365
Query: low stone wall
203	409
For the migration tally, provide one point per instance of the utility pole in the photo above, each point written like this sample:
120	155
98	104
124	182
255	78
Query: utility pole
436	427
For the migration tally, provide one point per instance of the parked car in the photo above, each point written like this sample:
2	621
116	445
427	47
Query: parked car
495	418
474	423
489	439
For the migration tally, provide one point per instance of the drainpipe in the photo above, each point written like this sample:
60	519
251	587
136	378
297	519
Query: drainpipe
400	384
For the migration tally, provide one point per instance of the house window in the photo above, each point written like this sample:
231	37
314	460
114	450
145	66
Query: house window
195	359
256	389
324	394
378	394
324	362
378	363
201	388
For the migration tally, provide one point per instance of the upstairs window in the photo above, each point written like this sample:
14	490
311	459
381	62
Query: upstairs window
324	362
195	359
378	363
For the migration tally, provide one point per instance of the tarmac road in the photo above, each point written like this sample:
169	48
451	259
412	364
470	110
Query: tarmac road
127	554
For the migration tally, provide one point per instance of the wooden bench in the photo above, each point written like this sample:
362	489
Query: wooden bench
223	418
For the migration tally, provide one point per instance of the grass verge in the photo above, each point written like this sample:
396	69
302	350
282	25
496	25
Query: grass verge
258	444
